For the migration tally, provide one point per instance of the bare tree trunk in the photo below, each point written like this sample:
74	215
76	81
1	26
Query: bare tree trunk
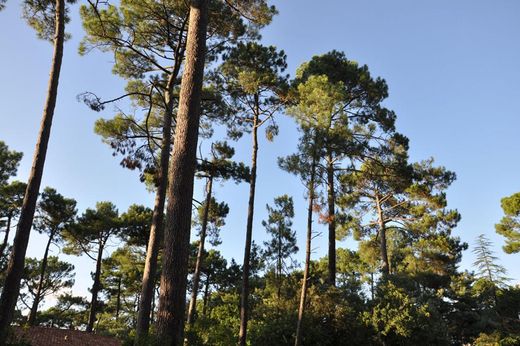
157	227
206	295
279	266
118	298
244	298
382	240
331	201
16	264
6	236
95	290
172	300
34	308
198	265
303	294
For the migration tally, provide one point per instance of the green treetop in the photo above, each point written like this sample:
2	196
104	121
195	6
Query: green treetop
509	226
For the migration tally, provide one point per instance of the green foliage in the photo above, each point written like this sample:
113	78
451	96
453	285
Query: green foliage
486	262
9	160
54	214
58	275
41	16
283	238
509	226
252	77
92	229
70	312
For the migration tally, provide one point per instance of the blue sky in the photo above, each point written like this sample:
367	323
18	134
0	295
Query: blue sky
452	68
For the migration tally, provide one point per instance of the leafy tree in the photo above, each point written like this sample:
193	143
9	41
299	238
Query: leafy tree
70	312
343	102
486	262
220	167
170	322
35	286
9	161
11	199
509	226
120	281
89	235
404	201
252	77
55	214
210	217
48	18
304	164
283	239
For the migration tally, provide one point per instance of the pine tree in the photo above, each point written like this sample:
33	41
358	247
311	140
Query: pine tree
48	18
55	214
89	235
509	226
283	239
252	76
486	262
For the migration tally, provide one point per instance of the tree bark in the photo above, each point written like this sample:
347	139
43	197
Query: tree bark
303	294
95	290
382	240
244	298
6	236
157	227
331	201
198	265
172	300
34	308
16	264
206	295
118	298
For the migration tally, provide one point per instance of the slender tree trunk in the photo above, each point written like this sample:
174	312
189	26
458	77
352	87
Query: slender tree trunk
303	294
95	290
157	227
16	264
206	295
118	298
244	298
6	236
382	240
331	201
198	265
172	300
34	308
279	265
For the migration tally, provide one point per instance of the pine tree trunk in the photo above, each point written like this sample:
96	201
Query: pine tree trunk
118	298
16	264
198	265
303	295
157	227
382	240
279	266
244	298
34	308
6	236
95	290
206	295
172	300
331	201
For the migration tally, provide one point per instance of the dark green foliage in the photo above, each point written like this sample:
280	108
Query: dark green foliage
283	238
9	160
58	276
40	14
486	262
509	226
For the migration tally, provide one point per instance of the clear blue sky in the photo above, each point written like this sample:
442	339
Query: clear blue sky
452	68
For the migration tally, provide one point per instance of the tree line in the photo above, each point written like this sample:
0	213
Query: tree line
196	67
